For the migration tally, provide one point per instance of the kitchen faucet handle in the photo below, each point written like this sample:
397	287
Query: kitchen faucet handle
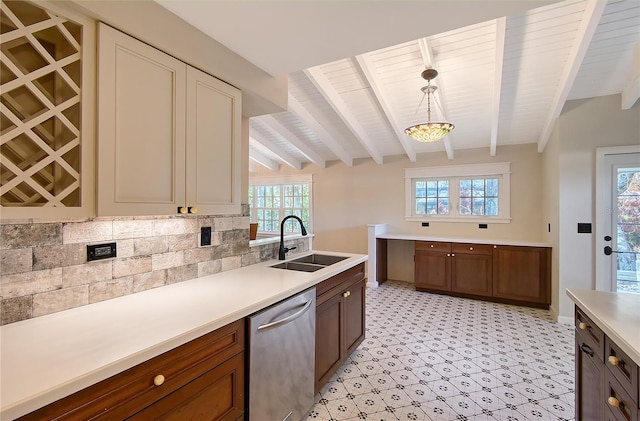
287	249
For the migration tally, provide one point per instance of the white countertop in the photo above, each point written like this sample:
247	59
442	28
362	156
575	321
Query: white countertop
416	237
616	313
50	357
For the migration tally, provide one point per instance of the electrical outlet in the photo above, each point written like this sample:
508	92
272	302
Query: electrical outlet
483	226
205	236
101	251
425	224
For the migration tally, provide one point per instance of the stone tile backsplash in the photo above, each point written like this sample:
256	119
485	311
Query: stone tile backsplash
44	268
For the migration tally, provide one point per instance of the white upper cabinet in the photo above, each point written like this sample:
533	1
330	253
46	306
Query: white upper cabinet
47	95
168	134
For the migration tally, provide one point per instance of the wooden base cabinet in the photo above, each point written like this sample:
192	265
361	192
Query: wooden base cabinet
511	274
340	321
522	274
202	379
606	378
432	266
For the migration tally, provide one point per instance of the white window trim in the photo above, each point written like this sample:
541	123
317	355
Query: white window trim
288	179
502	169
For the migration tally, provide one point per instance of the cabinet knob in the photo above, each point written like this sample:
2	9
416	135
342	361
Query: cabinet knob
613	360
431	245
495	247
182	209
448	254
470	248
193	209
582	326
613	402
453	254
346	294
158	380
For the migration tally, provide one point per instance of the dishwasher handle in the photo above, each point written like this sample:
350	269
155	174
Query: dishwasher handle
287	319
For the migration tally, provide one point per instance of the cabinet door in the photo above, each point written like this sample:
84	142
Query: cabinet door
589	383
213	144
471	274
141	131
432	270
215	395
522	273
354	316
329	339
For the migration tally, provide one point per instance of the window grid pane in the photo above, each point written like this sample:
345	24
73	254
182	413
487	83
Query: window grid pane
431	197
269	204
479	197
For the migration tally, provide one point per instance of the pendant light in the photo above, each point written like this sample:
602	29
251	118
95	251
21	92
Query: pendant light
429	132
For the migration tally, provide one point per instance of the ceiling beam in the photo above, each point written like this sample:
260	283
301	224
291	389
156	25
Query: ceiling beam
322	83
501	29
260	158
631	92
277	150
367	67
429	60
275	125
331	142
588	24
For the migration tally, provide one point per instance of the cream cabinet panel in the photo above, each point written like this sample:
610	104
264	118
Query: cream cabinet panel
213	144
141	130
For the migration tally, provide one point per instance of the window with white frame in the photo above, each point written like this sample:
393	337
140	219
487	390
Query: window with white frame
459	193
273	198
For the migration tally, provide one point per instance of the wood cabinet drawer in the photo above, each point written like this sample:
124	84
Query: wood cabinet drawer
220	391
620	405
589	333
623	368
128	392
469	248
334	285
433	246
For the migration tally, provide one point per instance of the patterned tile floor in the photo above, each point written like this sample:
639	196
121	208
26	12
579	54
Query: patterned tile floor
433	357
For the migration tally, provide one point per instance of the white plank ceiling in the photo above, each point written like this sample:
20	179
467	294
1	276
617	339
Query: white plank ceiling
501	82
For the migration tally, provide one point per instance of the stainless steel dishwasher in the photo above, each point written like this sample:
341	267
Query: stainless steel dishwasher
282	359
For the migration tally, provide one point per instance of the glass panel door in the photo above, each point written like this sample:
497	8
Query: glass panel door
627	233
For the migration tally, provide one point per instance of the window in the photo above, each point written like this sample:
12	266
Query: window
458	193
273	198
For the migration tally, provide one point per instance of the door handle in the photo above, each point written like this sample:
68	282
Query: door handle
608	251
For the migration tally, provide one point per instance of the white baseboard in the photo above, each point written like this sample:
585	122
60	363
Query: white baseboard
565	320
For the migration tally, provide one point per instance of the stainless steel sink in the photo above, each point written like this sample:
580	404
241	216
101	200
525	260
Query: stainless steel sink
310	263
302	267
320	259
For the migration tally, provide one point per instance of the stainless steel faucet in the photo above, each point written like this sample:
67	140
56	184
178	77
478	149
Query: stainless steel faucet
283	250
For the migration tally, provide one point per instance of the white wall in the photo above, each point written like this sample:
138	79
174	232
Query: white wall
583	126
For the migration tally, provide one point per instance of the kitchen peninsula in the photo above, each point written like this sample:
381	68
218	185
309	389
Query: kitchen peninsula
50	357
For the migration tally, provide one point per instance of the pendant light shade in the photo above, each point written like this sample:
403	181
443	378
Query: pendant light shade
429	131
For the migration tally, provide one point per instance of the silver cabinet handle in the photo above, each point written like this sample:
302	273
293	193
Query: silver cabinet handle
288	318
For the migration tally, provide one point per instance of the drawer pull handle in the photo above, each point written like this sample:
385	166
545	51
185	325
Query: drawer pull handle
470	248
586	349
613	402
158	380
613	360
582	326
